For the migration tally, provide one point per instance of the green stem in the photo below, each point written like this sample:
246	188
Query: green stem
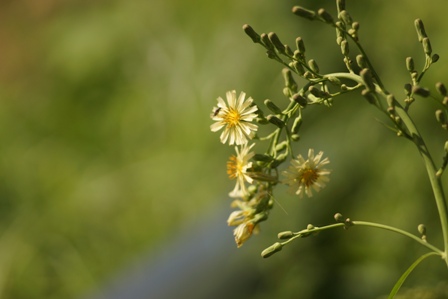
435	181
305	232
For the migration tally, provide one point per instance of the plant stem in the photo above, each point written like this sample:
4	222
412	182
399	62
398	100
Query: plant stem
435	181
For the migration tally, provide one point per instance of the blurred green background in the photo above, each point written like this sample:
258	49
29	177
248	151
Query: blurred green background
106	152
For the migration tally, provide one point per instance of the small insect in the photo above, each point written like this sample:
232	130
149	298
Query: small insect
216	111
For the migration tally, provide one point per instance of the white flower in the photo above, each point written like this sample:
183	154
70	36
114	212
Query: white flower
237	167
235	118
303	176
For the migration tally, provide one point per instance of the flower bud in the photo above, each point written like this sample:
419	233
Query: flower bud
300	45
441	118
435	58
276	247
441	89
427	46
366	76
266	41
345	17
262	158
361	61
276	42
410	64
420	29
325	16
271	106
317	92
295	137
338	217
313	65
344	48
304	13
422	229
390	100
275	120
251	33
285	235
289	79
299	99
281	146
288	51
445	101
340	5
418	90
369	95
407	89
299	68
310	227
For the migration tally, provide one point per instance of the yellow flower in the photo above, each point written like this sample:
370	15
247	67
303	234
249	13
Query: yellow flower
235	118
303	176
237	167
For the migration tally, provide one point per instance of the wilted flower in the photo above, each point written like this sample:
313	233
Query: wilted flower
235	118
237	167
303	176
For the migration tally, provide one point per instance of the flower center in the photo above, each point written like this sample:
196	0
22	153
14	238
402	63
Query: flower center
309	176
233	117
234	168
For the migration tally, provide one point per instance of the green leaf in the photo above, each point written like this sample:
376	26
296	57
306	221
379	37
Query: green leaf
403	277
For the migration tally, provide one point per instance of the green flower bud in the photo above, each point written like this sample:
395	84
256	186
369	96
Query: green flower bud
420	29
285	235
334	80
390	100
422	229
344	48
407	89
288	50
296	124
299	68
276	247
345	17
299	99
355	26
435	58
325	16
441	89
340	5
369	95
313	65
251	33
300	45
281	146
289	79
445	101
338	217
304	13
295	137
441	118
279	160
310	227
271	106
361	61
410	64
275	120
276	42
366	76
427	46
266	41
262	158
317	92
418	90
286	92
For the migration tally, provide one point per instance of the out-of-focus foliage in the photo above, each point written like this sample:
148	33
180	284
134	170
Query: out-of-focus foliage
105	148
